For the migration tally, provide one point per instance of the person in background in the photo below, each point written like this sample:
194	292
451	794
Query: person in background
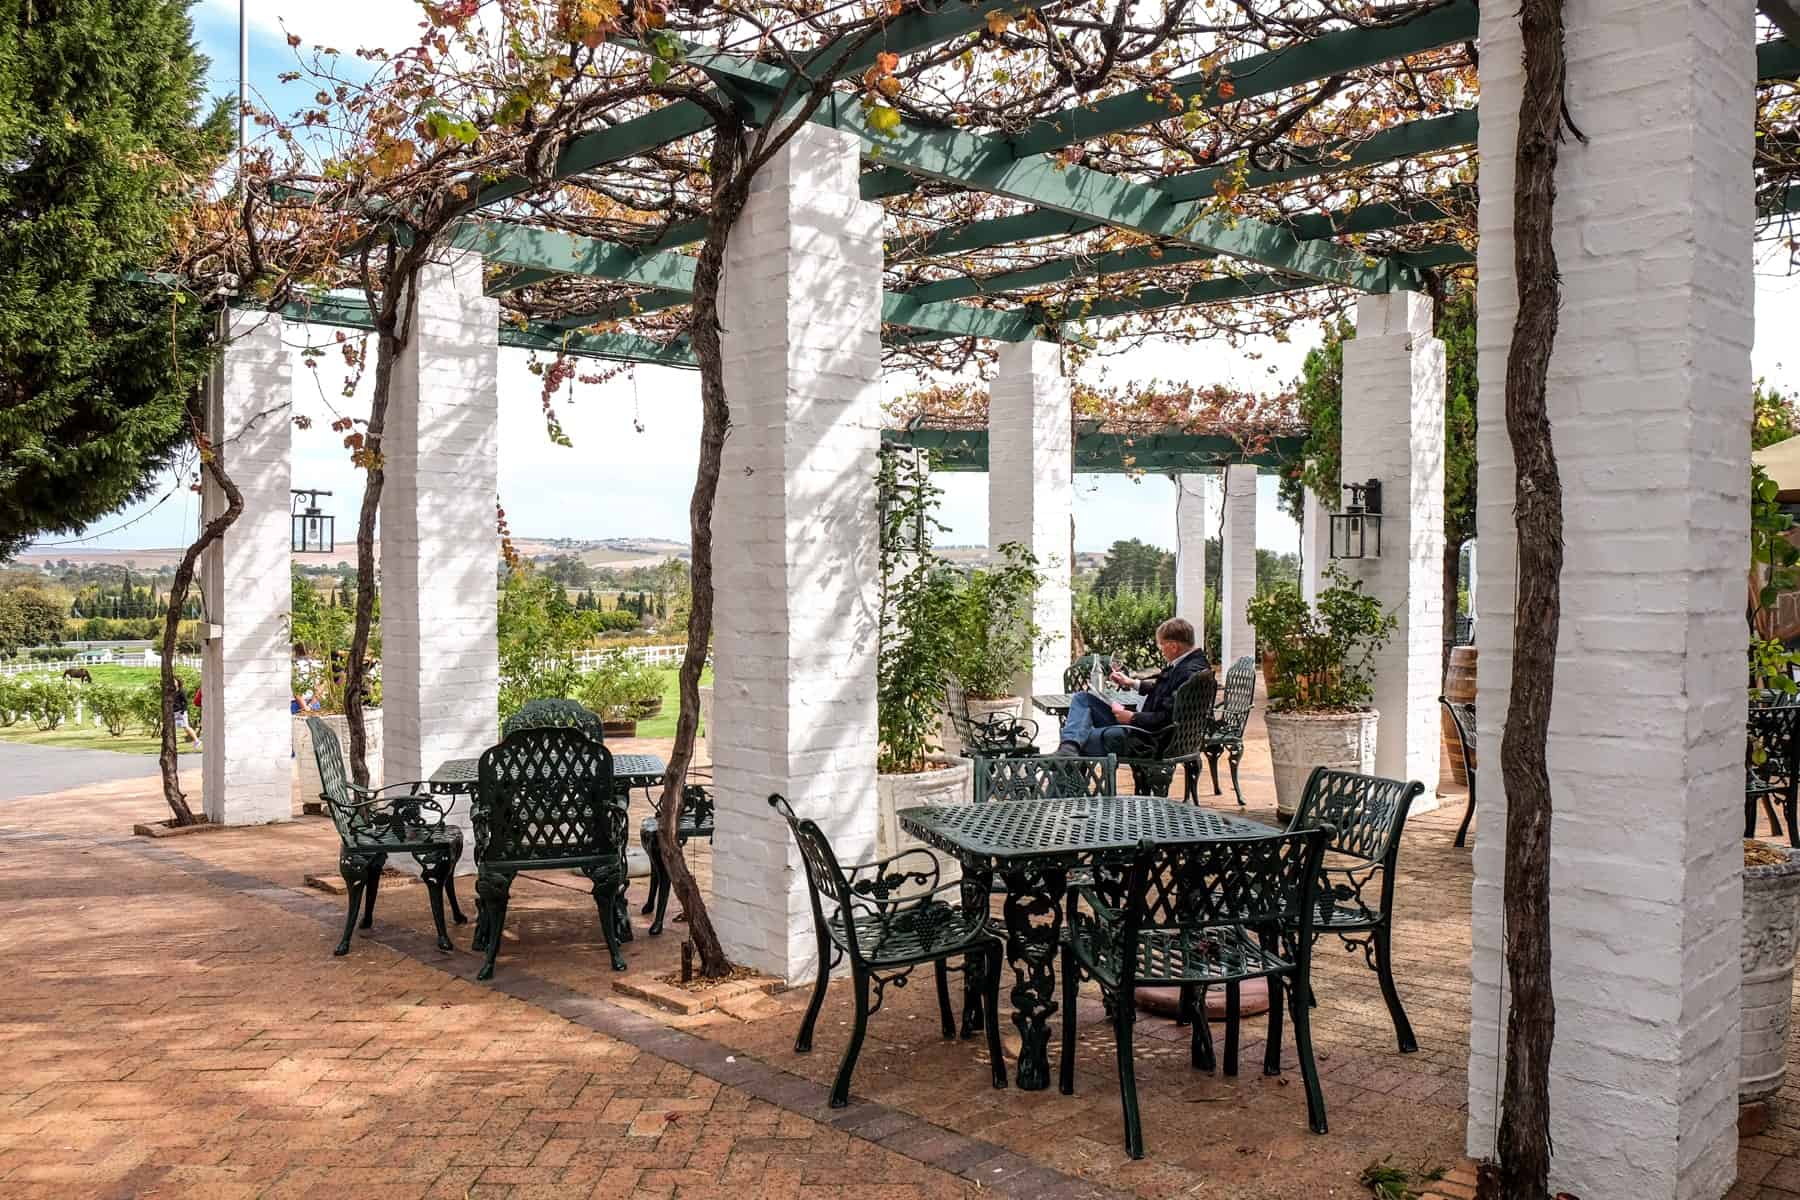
1097	726
181	714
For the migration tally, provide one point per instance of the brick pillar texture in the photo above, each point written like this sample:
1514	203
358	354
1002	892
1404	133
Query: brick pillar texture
1194	523
1237	578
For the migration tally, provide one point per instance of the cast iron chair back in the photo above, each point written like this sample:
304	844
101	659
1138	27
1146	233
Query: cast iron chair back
1462	719
1045	776
357	821
1075	677
545	798
1153	757
1240	696
998	733
1772	733
553	713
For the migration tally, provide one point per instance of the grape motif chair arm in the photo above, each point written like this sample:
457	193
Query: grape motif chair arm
876	882
408	807
1004	729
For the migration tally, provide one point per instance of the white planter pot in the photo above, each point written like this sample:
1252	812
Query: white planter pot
1771	904
306	767
1298	742
706	711
950	784
1012	706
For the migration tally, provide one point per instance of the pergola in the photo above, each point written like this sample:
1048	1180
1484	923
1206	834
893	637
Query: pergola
1647	394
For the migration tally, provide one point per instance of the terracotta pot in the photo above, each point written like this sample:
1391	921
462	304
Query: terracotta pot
622	727
1012	706
1253	999
1300	741
1771	903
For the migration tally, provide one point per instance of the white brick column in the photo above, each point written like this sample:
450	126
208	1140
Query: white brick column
246	676
1646	396
1237	578
1031	487
1394	432
1193	524
795	537
440	667
1315	544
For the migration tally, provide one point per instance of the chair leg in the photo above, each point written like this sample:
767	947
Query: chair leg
840	1090
1749	816
1123	1022
1200	1048
1788	807
1384	968
803	1042
606	900
990	978
651	852
663	887
1309	1073
1462	831
456	912
1774	821
493	891
433	874
1272	1044
1231	1028
1071	987
942	970
1212	760
1237	756
355	872
1190	782
373	883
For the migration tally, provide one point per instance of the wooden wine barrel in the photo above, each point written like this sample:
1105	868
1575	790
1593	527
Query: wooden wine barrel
1459	685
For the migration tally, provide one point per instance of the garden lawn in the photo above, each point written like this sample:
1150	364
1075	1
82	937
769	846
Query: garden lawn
88	737
662	725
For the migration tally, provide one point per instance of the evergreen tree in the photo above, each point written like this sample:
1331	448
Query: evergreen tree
1136	566
99	147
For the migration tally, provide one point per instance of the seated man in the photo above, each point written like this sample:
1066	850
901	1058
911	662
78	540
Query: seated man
1096	726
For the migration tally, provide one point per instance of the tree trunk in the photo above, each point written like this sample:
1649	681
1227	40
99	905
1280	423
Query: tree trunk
728	202
1452	576
168	756
1524	1138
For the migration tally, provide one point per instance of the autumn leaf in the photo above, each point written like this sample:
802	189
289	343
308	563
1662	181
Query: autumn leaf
888	62
998	23
1227	89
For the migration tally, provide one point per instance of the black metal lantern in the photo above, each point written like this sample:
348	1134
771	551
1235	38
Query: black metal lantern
1356	531
314	531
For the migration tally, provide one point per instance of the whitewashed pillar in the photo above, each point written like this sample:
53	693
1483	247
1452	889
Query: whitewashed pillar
1193	525
1646	401
1315	544
1237	578
246	675
795	531
440	669
1394	432
1031	487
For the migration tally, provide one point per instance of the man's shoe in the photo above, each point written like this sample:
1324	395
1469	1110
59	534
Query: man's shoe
1068	750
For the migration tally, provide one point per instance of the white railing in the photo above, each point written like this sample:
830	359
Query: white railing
127	658
656	656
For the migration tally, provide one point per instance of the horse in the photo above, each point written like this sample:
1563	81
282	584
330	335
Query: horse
80	673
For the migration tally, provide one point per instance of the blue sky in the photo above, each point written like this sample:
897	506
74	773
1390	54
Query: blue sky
620	480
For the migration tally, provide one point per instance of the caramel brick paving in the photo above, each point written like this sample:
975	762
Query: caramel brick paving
180	1028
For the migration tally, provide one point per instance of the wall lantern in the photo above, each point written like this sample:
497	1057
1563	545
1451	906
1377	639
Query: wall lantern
1356	531
313	529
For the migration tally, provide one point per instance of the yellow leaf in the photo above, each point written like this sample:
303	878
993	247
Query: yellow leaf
997	23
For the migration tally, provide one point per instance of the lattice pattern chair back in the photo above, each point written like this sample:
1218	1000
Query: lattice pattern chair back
352	820
1240	696
1462	717
1202	890
546	795
1193	715
823	875
1045	777
553	713
1076	676
1364	812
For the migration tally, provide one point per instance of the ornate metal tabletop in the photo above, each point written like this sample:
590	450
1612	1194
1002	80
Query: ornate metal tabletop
457	776
1032	845
1057	704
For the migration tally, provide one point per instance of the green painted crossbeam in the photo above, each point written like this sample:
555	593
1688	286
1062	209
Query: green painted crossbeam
1135	258
1110	453
1256	75
1409	139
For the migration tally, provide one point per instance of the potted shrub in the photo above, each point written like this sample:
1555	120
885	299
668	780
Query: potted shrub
991	636
1319	712
918	610
616	688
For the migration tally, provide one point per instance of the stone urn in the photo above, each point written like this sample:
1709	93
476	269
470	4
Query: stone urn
1771	904
979	710
1300	741
306	768
950	781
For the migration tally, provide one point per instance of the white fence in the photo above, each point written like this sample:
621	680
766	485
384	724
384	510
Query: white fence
656	656
116	658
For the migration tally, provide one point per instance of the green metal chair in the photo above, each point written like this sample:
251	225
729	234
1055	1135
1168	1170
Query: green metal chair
553	712
995	735
696	821
1462	718
1196	915
1227	733
1044	777
1363	816
372	825
545	800
1153	757
887	917
1076	676
1772	767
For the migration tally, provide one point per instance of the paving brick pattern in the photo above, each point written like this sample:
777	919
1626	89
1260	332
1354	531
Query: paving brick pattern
179	1028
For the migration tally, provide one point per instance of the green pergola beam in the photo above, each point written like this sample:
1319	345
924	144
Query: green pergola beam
1109	453
987	163
1785	14
654	300
1448	254
1255	75
1407	140
1134	258
1778	59
618	347
1786	200
1372	218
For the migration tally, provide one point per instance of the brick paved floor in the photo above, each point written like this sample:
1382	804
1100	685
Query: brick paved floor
180	1028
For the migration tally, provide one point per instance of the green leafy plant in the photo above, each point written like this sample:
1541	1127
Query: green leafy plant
1324	660
918	604
12	702
49	702
1772	571
540	630
617	686
991	631
112	705
1122	623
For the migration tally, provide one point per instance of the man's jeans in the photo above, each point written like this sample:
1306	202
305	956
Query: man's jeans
1092	726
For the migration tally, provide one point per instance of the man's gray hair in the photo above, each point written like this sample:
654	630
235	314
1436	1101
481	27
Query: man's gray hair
1176	630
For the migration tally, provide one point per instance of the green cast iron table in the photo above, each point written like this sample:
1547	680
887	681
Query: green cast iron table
1057	704
1033	845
